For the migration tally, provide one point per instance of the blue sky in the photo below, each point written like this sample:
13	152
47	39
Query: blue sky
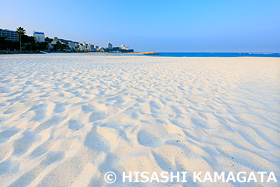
155	25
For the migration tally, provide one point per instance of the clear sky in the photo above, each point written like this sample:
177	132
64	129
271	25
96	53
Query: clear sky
153	25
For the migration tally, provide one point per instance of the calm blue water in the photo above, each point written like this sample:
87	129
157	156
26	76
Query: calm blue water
181	54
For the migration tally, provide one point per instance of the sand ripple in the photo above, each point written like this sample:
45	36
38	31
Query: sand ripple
67	119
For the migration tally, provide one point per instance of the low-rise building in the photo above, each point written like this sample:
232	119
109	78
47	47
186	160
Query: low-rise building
124	47
72	45
88	47
83	47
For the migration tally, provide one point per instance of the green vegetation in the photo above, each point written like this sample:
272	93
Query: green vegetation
8	44
48	40
60	47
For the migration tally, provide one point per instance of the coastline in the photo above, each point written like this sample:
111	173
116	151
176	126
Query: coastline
163	54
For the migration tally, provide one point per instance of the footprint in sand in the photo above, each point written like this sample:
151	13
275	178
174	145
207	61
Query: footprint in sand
40	112
60	107
97	142
200	123
75	125
146	139
95	115
155	105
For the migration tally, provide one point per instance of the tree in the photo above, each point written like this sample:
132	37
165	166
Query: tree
3	43
48	40
20	31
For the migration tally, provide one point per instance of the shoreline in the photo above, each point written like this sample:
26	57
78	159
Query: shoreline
135	54
161	54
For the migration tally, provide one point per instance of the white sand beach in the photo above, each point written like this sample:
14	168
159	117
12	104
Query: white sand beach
67	119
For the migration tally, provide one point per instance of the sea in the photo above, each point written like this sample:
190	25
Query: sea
198	54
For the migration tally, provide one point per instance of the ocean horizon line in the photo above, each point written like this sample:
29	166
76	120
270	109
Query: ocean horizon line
218	54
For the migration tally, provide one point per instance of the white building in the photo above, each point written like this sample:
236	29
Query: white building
71	45
39	36
124	47
109	46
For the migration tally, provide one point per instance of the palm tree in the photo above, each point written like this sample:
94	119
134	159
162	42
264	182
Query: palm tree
20	31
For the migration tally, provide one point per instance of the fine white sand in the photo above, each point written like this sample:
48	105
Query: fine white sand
67	119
